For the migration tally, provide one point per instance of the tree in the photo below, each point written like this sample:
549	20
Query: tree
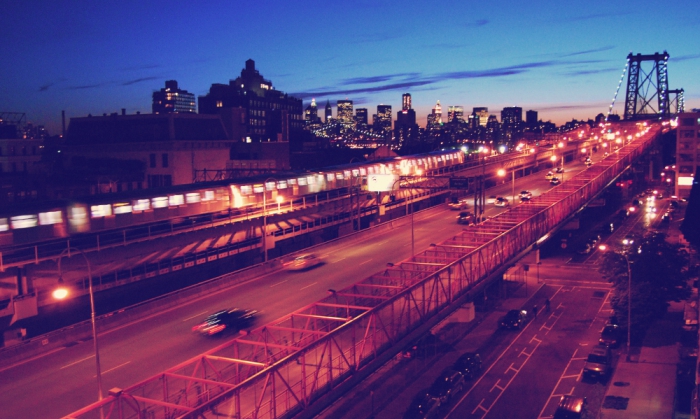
660	274
691	223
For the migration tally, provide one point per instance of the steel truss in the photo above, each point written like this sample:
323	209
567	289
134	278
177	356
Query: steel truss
645	87
281	368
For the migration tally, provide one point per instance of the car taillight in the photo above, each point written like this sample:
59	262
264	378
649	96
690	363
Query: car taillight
216	329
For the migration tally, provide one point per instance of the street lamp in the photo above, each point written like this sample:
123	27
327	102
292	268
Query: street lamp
61	292
264	232
626	242
502	173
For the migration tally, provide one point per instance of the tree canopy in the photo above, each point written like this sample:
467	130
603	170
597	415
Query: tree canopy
660	273
691	223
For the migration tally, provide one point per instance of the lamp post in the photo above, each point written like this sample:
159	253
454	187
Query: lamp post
264	232
626	242
61	292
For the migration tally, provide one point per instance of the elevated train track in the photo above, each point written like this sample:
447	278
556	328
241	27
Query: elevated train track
281	369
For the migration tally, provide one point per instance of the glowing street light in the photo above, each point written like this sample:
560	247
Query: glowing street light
61	292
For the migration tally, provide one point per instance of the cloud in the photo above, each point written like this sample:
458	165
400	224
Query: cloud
587	72
376	79
376	37
497	72
601	105
45	87
142	67
589	51
87	86
685	57
342	92
139	80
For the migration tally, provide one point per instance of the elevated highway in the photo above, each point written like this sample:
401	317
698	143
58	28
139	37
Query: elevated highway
283	367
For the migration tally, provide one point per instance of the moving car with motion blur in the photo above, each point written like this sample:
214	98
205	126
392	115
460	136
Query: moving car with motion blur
554	181
465	217
501	202
303	262
461	204
525	195
230	320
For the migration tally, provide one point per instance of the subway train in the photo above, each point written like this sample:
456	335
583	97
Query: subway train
41	221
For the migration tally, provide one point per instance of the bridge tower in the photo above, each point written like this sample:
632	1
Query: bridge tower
645	87
677	100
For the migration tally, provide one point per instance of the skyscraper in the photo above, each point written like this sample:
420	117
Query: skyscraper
382	120
329	112
267	114
511	115
531	117
406	101
435	117
361	117
455	114
483	114
171	99
344	114
311	112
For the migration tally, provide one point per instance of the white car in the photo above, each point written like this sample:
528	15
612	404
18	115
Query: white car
525	195
549	175
303	262
501	202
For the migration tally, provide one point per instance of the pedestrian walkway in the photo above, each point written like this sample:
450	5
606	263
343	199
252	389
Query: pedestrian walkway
645	386
388	392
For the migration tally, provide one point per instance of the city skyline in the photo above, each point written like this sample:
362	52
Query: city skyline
88	58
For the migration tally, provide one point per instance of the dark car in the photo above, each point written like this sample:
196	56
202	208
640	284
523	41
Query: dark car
232	320
559	169
554	181
501	201
469	364
423	406
598	364
570	407
449	383
426	345
610	336
514	319
465	217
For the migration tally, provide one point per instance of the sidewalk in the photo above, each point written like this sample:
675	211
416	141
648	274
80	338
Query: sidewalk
645	386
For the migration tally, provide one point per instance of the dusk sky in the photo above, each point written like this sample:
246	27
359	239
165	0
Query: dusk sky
563	59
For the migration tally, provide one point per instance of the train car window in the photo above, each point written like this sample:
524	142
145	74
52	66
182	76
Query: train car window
208	196
270	186
311	180
363	171
175	200
302	181
339	176
3	224
282	184
160	202
258	188
23	221
122	208
51	217
330	176
246	190
292	181
142	205
192	198
97	211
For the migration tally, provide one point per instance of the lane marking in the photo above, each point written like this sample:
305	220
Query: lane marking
112	369
196	315
310	285
77	362
367	261
278	283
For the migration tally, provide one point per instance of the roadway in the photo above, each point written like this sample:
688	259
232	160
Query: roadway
63	381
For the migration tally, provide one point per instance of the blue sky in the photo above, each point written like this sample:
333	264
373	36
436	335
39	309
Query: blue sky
563	59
